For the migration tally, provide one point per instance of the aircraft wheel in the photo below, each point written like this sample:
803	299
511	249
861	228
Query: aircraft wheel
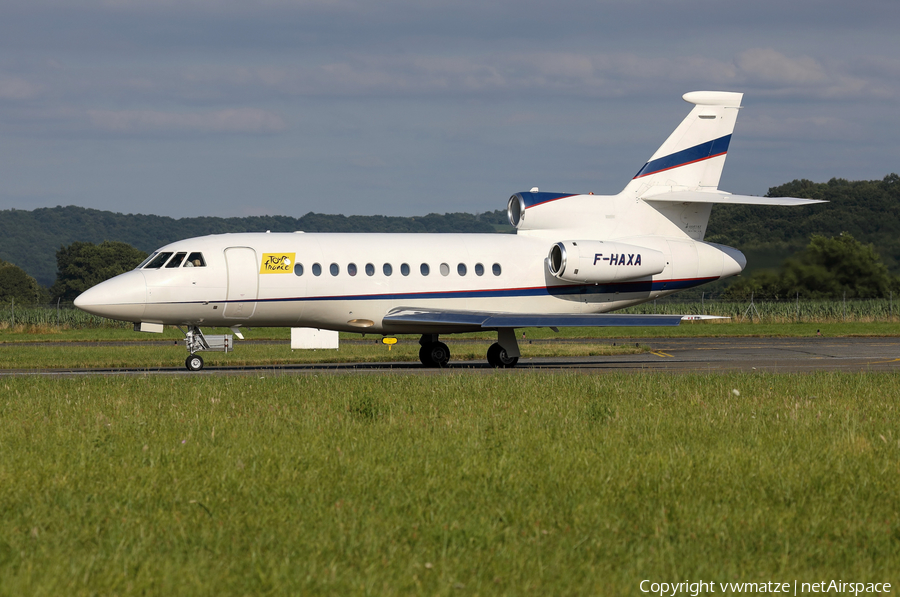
434	354
423	356
497	357
194	362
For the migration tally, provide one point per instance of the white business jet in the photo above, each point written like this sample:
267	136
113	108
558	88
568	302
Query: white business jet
573	259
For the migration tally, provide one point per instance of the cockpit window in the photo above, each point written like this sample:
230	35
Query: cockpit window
195	260
176	261
158	261
147	260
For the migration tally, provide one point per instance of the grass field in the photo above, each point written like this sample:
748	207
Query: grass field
546	484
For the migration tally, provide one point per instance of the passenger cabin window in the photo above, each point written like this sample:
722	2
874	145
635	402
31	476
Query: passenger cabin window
317	269
424	269
461	269
351	269
298	269
335	269
479	269
370	269
176	261
158	261
445	269
195	260
387	269
404	269
496	269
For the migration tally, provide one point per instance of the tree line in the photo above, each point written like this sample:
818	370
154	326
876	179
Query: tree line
30	239
79	266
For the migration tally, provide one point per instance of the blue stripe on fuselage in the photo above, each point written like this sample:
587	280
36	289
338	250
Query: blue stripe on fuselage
697	153
534	199
566	290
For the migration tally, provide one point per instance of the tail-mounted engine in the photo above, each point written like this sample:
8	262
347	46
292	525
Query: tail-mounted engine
557	210
596	262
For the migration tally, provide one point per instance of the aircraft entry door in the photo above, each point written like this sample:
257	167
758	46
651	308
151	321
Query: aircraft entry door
243	282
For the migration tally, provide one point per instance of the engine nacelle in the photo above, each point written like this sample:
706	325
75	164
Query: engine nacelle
545	211
597	261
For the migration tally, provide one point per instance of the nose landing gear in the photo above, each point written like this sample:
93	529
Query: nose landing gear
195	341
194	362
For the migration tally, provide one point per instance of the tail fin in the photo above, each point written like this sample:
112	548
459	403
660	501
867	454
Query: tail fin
694	154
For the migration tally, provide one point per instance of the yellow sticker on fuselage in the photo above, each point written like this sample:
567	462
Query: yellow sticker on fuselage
277	263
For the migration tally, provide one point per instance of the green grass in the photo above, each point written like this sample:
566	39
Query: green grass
780	311
548	484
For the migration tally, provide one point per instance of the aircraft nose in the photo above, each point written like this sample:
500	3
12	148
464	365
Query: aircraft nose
123	297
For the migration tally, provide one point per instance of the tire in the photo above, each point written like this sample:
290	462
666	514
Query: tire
424	357
497	357
434	354
194	362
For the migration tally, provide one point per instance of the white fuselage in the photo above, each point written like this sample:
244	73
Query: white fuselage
470	272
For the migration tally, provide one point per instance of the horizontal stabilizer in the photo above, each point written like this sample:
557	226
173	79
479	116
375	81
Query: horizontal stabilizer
723	197
489	320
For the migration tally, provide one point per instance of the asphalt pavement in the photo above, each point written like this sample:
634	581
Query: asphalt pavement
776	355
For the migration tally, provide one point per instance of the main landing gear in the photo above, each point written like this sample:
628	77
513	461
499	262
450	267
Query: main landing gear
433	353
502	354
499	358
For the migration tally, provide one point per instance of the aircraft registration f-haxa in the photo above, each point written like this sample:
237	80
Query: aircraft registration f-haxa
573	259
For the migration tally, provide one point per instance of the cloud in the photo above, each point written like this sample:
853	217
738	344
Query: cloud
772	73
815	127
766	66
14	88
763	71
240	120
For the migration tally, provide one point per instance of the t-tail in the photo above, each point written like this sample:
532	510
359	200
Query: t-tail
693	156
681	180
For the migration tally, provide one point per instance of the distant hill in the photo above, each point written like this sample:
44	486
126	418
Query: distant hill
30	239
869	210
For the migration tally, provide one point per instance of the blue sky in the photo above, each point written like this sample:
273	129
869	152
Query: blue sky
407	107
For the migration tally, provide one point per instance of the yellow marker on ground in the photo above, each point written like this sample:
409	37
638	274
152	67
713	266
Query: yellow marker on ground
389	341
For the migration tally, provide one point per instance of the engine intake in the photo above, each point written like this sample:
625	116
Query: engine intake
596	261
515	209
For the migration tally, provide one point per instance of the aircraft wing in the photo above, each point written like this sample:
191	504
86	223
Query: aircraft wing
403	316
722	197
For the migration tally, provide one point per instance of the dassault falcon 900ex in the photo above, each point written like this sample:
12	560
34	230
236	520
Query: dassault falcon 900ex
573	259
